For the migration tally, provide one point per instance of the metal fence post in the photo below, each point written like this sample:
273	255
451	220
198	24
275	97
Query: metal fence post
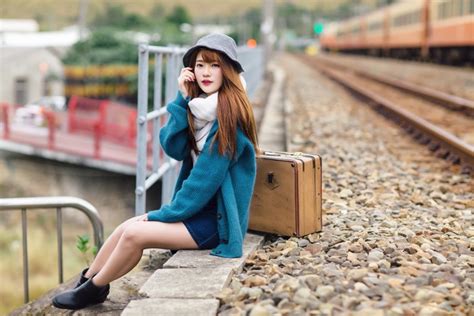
142	129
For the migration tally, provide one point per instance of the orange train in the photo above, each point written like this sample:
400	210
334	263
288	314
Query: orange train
437	30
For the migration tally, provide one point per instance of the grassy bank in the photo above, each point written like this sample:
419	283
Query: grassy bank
42	253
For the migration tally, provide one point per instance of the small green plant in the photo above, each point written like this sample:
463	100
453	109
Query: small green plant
82	244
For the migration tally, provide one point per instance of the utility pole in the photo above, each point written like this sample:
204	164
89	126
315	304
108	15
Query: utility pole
267	30
83	4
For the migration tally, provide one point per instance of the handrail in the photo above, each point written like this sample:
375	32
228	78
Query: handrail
52	202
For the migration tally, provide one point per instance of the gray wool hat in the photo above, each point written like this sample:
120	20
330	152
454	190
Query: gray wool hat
219	42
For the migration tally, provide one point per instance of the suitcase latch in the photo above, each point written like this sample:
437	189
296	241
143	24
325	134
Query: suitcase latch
271	182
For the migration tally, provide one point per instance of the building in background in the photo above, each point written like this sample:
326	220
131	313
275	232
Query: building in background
28	73
30	61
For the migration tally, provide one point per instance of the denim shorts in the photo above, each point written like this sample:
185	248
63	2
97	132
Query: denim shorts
203	226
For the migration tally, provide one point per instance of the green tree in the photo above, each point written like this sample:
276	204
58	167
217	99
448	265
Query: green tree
104	46
115	16
178	16
157	13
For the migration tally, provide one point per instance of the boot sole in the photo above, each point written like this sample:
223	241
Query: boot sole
61	306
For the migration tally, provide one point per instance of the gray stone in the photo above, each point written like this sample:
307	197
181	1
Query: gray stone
375	255
359	286
345	193
324	292
356	247
357	274
259	310
171	307
303	243
437	257
186	283
302	296
313	281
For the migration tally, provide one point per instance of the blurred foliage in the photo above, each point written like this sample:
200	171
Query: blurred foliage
116	34
115	16
104	46
178	16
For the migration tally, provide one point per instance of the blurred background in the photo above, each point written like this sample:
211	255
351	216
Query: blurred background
71	39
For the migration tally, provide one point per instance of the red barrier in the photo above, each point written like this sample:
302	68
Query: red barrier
51	119
113	121
120	123
6	123
71	113
97	138
84	113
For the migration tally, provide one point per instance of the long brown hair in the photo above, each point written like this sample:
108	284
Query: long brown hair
233	107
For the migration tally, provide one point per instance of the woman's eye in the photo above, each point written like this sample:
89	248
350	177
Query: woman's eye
198	65
215	65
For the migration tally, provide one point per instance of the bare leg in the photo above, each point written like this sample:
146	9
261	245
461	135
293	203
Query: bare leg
138	236
107	248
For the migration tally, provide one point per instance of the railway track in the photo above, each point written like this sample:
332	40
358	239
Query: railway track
443	99
447	130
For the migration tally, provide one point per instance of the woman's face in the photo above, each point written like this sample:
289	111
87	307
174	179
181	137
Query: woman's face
208	75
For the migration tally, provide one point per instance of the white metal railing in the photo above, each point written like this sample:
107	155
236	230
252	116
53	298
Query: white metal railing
58	203
168	168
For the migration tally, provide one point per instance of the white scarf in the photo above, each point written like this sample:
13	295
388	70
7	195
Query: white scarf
204	110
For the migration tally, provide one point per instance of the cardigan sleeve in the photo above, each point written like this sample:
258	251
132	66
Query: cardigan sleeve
174	135
203	182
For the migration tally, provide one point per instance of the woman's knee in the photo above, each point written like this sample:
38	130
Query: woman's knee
132	234
121	228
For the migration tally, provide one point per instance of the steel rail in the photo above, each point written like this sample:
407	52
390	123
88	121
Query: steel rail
57	203
457	147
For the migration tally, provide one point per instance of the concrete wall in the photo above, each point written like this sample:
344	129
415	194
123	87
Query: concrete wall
112	194
35	64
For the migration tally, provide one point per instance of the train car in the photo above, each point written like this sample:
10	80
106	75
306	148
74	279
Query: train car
349	35
329	40
376	32
451	34
407	28
441	30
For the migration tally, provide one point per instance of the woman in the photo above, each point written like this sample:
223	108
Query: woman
211	128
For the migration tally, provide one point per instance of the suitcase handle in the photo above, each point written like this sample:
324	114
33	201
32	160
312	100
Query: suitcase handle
269	153
270	177
278	154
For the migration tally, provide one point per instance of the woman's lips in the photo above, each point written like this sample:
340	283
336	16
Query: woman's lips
206	82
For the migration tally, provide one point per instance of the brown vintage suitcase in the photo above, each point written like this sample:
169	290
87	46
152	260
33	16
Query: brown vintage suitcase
287	195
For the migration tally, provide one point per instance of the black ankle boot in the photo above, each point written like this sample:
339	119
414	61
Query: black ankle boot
83	296
82	279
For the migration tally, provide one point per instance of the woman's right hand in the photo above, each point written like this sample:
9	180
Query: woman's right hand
186	75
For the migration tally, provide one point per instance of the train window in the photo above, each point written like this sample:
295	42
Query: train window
441	11
376	25
458	7
407	18
356	29
453	8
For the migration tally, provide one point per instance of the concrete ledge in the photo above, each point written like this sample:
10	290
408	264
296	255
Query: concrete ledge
186	283
190	278
202	258
172	307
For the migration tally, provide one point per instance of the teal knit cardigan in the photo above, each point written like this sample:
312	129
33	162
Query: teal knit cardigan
233	180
